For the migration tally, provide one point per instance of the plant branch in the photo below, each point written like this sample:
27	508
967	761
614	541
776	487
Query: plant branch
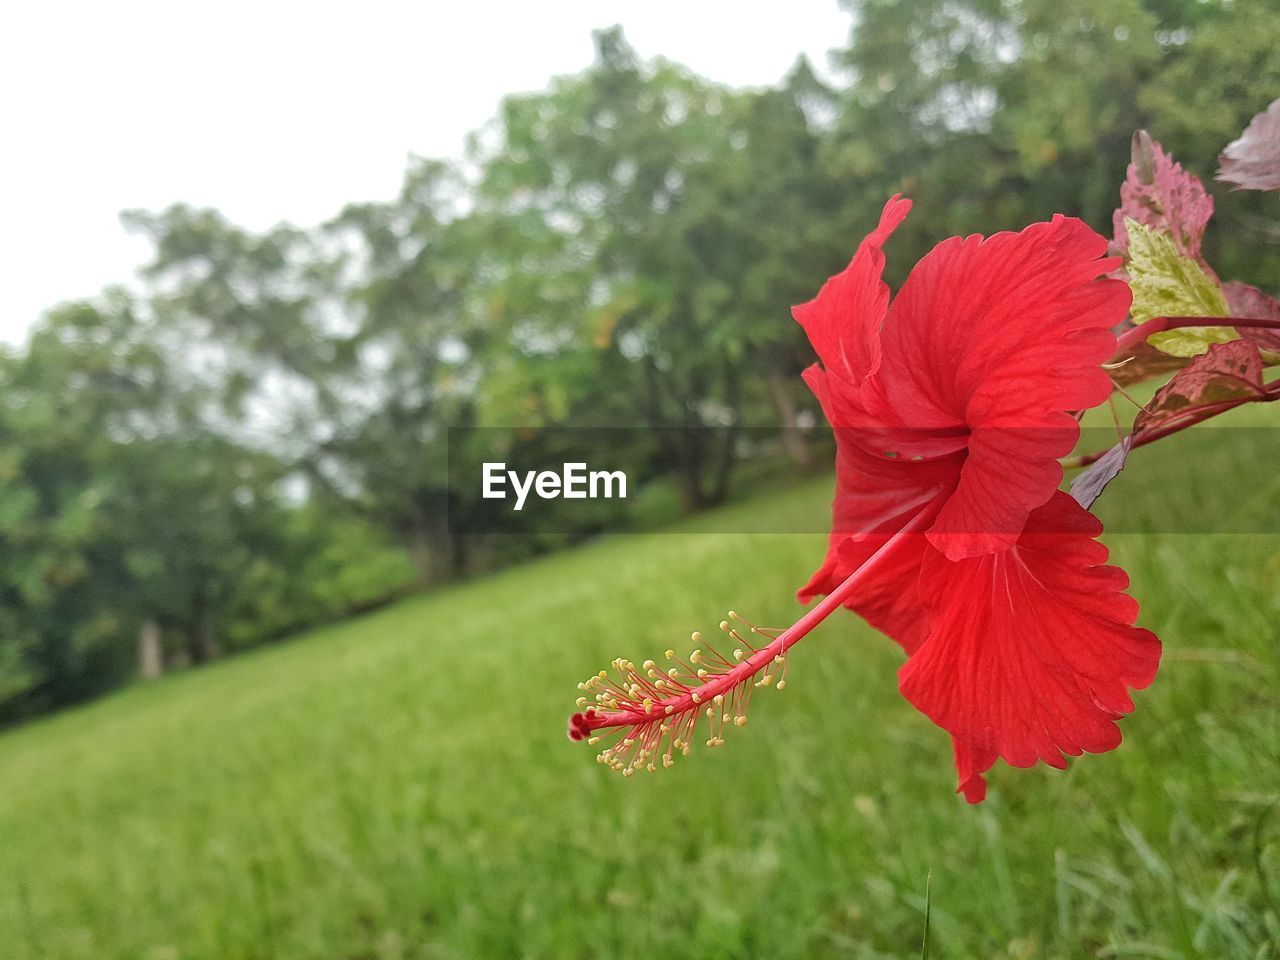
1131	338
1180	422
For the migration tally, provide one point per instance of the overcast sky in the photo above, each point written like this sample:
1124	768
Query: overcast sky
276	111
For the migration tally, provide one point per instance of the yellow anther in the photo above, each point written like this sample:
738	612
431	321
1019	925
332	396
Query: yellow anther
739	721
696	698
629	771
582	701
593	740
711	712
670	709
727	717
673	673
667	761
718	699
696	637
702	674
782	684
695	657
737	655
670	654
648	705
724	625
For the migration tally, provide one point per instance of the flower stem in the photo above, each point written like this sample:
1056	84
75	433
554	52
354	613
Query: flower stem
721	684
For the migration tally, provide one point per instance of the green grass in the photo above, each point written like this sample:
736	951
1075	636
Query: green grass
399	786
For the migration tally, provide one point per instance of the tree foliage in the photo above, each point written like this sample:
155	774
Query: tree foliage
272	431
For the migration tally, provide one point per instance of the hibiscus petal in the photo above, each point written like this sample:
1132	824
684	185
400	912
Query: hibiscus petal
889	598
1001	336
971	763
843	320
1031	652
876	496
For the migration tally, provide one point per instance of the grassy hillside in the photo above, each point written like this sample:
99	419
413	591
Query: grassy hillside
399	786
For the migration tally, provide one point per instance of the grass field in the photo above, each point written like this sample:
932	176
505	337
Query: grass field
399	786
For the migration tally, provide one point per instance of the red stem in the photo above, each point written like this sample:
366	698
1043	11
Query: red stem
753	664
1131	338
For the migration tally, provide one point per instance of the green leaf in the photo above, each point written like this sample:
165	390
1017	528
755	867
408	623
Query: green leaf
1167	284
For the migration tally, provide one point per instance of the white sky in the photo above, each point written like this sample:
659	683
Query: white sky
275	110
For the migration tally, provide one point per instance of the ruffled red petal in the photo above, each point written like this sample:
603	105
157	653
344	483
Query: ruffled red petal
843	320
994	341
876	496
1031	652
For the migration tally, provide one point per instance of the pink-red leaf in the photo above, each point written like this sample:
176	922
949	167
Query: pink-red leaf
1159	194
1226	373
1247	301
1253	161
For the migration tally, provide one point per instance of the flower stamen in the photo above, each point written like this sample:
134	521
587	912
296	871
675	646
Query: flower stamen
654	716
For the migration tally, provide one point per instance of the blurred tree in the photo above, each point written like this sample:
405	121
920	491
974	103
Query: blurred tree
405	378
84	384
1204	94
993	113
345	351
232	456
684	211
128	528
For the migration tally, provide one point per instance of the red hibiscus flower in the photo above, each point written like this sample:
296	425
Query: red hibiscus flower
957	399
951	407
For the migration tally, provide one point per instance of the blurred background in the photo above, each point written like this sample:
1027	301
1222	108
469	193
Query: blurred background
360	250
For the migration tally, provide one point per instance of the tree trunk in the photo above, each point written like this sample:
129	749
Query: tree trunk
688	476
780	386
436	550
202	640
719	491
150	655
